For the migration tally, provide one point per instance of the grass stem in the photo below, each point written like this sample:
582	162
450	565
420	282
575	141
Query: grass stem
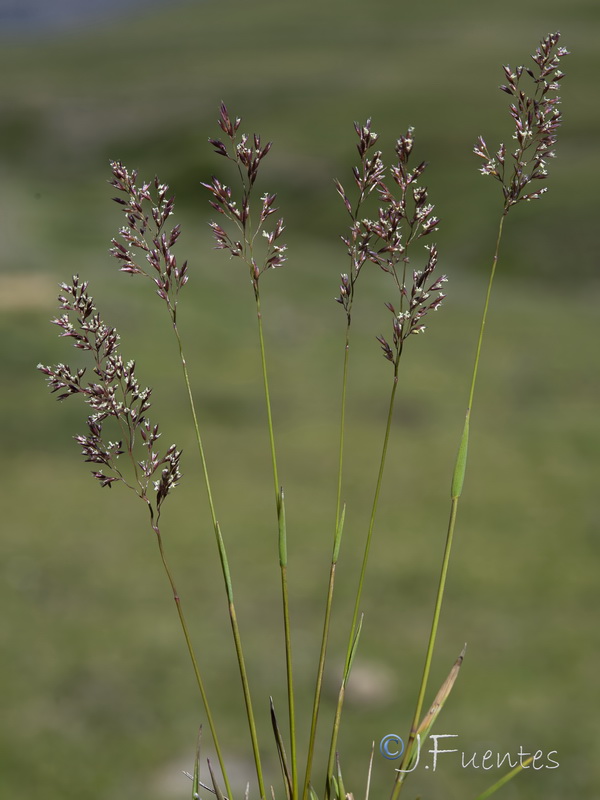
226	574
456	490
505	779
279	504
384	449
331	583
361	580
193	658
430	647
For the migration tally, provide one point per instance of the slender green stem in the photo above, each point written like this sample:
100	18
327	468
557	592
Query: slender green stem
247	699
319	683
485	308
283	552
241	661
361	580
338	505
224	564
290	679
457	484
263	361
338	711
334	736
401	776
192	403
330	587
505	779
193	658
386	440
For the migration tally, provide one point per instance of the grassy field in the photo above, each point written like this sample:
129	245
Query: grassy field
98	698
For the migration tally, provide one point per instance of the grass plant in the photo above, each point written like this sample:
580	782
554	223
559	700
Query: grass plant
389	215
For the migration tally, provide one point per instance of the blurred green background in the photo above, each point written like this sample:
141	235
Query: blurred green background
98	699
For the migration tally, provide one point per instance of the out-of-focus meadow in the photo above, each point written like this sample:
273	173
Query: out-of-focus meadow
98	699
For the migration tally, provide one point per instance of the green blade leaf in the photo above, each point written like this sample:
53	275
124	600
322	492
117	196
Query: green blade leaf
287	778
508	777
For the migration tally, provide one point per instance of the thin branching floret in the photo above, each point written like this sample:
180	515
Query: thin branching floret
247	153
403	216
536	118
148	206
114	394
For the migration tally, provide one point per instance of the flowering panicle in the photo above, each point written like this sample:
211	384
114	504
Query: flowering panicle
116	394
368	176
247	154
148	206
417	303
403	216
536	119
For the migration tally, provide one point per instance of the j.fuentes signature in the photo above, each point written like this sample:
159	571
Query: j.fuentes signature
392	747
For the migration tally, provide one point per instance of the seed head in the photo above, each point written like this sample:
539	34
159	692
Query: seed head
115	396
403	215
147	207
247	153
536	119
